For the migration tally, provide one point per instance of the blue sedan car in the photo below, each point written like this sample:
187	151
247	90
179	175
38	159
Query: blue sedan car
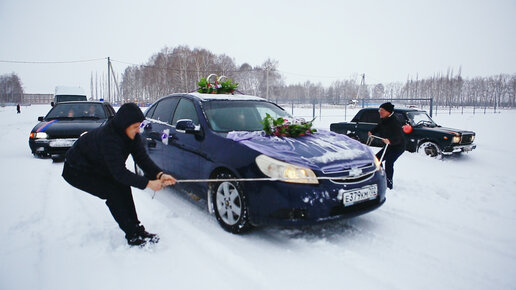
250	179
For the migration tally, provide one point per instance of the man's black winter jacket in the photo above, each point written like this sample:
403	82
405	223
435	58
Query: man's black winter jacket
391	129
104	151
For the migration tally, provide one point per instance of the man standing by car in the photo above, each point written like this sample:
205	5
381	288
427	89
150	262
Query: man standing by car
389	128
96	164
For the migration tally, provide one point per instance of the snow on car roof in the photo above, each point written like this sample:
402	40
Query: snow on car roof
67	90
209	97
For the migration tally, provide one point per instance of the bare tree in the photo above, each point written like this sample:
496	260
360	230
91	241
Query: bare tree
11	90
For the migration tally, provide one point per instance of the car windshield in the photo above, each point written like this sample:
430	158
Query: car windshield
226	116
420	118
70	98
76	111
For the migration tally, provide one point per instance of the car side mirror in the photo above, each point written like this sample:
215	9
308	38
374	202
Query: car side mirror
187	126
40	118
52	104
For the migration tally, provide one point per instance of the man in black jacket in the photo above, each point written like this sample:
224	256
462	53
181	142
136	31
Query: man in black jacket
96	164
391	131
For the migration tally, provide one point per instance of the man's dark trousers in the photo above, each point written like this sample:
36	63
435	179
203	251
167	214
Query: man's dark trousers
119	198
390	157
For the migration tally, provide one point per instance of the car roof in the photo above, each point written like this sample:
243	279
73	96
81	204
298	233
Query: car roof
400	109
220	97
82	102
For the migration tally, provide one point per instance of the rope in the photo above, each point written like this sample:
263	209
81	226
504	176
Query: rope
370	140
257	179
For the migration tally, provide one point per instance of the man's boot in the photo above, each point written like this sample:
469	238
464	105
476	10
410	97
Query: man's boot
148	237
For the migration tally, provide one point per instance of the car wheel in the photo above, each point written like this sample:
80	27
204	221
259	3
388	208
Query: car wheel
430	149
39	155
230	205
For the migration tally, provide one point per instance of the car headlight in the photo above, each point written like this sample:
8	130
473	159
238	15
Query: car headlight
285	171
38	135
456	139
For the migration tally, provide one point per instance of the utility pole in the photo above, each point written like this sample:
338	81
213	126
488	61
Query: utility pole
109	78
362	83
267	82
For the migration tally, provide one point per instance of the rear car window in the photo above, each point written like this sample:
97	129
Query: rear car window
370	116
164	109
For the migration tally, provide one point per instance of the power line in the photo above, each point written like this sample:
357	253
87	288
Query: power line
176	69
163	68
53	62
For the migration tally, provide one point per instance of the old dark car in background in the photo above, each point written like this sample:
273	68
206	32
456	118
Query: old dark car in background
422	134
64	123
204	136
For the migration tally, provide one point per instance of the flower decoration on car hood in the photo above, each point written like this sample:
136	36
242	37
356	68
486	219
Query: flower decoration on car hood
282	127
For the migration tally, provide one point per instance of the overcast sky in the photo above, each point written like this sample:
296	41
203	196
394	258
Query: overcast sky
321	41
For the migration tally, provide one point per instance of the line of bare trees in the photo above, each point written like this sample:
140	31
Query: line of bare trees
11	90
179	69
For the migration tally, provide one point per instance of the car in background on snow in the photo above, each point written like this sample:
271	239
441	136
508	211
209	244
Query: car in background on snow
421	133
64	123
68	94
217	141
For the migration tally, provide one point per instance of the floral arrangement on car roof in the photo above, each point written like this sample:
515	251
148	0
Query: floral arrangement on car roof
221	85
284	128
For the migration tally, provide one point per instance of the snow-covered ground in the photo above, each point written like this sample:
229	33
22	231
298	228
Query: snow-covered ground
448	224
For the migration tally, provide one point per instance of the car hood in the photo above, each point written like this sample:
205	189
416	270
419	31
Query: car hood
67	128
448	130
325	151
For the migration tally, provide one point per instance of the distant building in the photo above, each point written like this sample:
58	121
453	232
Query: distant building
37	98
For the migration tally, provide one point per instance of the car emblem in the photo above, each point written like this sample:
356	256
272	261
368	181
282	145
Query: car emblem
355	171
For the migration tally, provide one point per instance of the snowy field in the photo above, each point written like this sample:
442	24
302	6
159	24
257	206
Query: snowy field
448	224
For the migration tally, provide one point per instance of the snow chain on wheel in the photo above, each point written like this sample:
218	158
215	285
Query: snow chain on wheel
230	204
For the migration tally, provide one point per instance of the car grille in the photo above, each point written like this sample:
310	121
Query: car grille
353	175
466	139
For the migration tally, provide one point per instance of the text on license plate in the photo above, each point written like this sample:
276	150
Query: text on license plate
350	197
62	142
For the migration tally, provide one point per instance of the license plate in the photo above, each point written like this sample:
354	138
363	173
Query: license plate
62	142
351	197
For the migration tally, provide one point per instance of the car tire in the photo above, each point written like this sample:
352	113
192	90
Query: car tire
230	204
39	155
430	149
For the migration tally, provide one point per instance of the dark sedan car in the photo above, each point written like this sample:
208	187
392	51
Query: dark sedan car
65	122
301	180
422	134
